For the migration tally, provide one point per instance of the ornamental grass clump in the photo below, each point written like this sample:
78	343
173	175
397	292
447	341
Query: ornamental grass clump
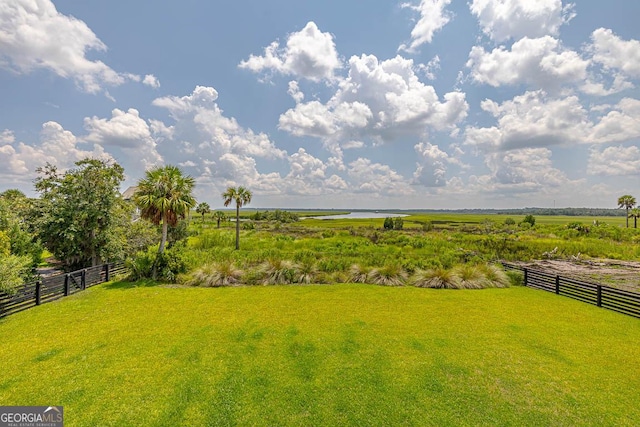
305	271
277	272
495	276
360	274
470	277
216	275
436	278
389	275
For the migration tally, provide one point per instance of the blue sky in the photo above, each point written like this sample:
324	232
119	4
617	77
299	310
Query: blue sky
333	104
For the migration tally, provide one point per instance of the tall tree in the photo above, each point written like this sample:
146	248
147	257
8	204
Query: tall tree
164	197
78	211
626	202
242	197
203	209
635	214
219	216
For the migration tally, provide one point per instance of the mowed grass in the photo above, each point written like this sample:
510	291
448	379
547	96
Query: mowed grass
120	355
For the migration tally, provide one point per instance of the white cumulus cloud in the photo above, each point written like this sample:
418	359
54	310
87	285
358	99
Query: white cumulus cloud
614	161
540	63
309	54
34	35
513	19
433	17
379	99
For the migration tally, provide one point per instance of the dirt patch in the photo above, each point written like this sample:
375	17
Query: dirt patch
609	272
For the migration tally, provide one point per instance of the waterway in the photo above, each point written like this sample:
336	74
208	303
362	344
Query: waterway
360	215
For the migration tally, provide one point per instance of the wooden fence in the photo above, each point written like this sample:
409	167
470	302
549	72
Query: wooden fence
619	300
54	287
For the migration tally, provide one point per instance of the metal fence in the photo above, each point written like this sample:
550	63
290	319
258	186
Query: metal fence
619	300
57	286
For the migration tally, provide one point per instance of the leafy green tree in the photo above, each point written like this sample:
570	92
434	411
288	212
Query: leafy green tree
164	196
627	202
388	223
78	211
398	223
530	219
242	197
203	209
219	216
635	214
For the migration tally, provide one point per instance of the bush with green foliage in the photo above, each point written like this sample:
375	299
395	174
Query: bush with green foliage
530	219
167	265
14	272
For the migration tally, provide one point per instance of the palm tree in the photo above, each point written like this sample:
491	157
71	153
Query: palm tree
164	197
635	214
626	202
219	216
242	197
203	209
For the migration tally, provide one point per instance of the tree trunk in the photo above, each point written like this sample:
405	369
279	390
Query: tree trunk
627	217
237	227
165	229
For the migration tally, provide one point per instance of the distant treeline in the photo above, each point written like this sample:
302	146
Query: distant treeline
533	211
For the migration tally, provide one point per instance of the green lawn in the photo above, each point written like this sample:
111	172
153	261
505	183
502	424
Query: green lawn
118	355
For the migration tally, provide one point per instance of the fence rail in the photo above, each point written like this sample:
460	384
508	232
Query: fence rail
55	287
619	300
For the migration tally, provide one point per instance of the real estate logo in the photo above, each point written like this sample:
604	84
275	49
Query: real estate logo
31	416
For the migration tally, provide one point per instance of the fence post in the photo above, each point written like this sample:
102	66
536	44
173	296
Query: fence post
106	272
66	285
557	285
83	279
525	277
599	297
38	292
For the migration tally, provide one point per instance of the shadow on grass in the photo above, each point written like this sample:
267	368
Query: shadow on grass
125	284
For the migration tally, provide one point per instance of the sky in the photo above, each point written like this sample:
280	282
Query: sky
431	104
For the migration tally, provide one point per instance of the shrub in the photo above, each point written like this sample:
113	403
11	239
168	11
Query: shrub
398	223
516	278
530	219
167	265
14	271
509	221
388	223
427	226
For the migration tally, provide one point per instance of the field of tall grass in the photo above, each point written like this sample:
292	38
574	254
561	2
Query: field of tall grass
341	250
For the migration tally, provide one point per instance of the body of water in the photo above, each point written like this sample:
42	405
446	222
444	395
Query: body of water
359	215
